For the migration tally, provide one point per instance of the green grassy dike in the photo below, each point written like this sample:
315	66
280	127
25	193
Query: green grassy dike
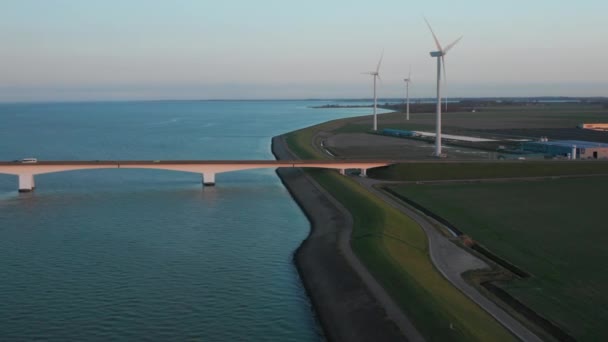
395	250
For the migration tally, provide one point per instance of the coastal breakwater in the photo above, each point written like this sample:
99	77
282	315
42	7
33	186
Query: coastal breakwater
344	303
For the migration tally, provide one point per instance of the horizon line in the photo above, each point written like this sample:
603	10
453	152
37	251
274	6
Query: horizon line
303	99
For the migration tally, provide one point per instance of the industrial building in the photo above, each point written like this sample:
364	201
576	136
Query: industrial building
398	132
574	149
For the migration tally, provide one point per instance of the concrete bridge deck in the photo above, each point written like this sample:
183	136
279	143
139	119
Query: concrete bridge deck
207	168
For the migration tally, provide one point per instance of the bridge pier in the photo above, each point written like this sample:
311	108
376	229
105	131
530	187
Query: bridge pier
208	179
363	173
26	183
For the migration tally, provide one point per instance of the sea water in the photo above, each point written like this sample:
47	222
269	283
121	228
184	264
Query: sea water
121	254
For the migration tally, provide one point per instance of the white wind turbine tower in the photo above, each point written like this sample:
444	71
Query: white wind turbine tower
440	60
407	93
376	75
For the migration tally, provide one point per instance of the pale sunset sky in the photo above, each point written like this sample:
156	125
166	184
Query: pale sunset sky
75	50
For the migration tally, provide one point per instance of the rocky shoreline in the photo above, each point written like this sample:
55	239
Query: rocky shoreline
343	302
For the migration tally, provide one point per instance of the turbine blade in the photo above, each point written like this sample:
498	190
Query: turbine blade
451	45
434	36
409	75
380	61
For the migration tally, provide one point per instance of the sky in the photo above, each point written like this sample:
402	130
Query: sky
80	50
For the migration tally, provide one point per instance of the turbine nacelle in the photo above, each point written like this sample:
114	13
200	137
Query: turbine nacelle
409	76
441	51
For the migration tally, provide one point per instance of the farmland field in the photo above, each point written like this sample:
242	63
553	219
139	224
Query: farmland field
552	229
492	117
429	171
506	125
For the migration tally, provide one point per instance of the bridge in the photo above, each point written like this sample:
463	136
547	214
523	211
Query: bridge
207	168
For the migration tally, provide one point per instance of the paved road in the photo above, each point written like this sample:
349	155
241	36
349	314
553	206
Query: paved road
452	261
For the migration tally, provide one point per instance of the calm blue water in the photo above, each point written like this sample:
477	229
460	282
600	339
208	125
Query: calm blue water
144	254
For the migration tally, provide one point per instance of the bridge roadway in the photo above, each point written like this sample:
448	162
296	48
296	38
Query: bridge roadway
207	168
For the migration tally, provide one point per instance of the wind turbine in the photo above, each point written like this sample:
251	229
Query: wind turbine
440	60
376	75
407	93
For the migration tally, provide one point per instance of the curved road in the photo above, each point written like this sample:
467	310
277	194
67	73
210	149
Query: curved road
452	261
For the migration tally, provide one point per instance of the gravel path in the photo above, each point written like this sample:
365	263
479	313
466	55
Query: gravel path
452	261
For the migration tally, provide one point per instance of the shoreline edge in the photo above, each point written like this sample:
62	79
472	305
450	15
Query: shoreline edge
343	303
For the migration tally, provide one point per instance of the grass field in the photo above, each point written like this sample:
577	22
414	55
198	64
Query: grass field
553	229
394	248
478	170
506	124
547	115
299	142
